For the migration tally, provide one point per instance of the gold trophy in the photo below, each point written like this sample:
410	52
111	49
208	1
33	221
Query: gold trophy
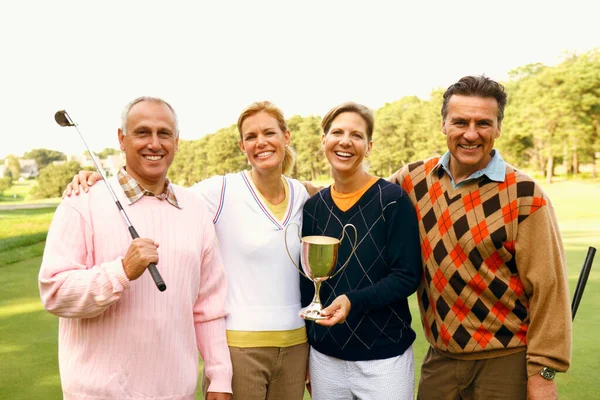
318	257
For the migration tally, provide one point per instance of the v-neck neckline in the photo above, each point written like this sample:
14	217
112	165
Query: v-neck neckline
265	207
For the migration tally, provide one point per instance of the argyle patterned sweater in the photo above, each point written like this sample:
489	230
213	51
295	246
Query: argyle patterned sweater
494	281
383	272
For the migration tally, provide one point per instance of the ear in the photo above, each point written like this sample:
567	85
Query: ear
241	145
177	143
121	139
499	130
369	147
287	135
323	140
444	127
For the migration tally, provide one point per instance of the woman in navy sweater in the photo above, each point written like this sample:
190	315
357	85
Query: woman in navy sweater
364	348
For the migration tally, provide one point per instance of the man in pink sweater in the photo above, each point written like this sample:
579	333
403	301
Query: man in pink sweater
119	337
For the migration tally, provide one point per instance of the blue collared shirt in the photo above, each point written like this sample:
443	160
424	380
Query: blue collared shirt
495	170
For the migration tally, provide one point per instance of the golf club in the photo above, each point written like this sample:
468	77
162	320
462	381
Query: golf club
583	277
63	119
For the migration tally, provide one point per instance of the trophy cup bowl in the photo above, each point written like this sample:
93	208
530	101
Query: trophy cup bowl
318	256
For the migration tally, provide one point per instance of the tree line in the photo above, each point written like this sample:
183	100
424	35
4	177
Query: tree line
552	117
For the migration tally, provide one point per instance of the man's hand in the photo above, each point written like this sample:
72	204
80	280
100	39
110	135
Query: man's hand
337	311
83	178
140	253
539	388
218	396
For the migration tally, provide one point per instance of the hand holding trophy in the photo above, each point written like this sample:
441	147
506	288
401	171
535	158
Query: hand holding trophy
318	257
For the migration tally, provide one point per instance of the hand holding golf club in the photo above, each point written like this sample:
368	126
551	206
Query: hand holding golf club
63	119
140	254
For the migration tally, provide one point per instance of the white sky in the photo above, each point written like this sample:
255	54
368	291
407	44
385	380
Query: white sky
210	59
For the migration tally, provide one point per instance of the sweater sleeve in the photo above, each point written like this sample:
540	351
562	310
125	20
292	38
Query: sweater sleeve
210	313
70	285
541	263
403	255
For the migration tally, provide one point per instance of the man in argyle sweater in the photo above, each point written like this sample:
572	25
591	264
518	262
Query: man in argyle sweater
494	295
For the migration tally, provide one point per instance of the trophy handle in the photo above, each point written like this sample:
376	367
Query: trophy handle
353	247
288	251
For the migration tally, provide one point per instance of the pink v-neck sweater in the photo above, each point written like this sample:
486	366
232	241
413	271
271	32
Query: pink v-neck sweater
127	340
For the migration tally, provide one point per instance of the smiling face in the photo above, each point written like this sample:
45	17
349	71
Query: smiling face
263	141
149	144
346	144
471	127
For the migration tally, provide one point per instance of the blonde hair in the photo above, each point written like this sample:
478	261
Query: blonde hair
289	158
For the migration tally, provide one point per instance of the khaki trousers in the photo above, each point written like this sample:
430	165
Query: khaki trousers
500	378
267	373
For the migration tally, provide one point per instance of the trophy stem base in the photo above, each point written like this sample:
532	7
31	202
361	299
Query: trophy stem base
312	312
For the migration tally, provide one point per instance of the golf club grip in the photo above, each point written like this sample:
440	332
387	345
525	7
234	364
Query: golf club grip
160	284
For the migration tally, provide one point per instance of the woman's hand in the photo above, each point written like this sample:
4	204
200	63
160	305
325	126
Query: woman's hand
83	180
336	312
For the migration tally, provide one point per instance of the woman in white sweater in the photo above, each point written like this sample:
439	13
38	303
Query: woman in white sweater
251	209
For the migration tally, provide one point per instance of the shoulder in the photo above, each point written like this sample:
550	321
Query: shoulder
322	196
526	186
388	190
298	187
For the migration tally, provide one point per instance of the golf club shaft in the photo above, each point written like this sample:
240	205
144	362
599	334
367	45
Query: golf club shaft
158	280
582	281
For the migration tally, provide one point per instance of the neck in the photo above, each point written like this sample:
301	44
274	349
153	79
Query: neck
269	185
156	187
461	172
348	183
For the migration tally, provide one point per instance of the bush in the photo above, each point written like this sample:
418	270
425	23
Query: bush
54	178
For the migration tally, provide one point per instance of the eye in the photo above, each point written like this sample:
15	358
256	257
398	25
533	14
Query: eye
357	135
164	134
249	137
335	132
270	133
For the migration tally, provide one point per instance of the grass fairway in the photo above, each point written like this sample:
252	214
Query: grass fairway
28	334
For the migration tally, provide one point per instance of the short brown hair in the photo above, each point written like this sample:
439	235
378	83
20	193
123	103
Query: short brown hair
290	156
478	86
365	112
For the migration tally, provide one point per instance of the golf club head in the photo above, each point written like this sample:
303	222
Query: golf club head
63	119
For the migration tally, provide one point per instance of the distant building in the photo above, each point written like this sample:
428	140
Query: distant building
29	169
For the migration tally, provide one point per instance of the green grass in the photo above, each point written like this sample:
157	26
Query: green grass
28	334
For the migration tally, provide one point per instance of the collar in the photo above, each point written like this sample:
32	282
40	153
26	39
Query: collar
134	191
495	170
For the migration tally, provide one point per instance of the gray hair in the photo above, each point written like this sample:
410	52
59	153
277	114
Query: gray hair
135	101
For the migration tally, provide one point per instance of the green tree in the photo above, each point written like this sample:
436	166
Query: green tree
14	166
311	163
107	152
5	184
44	157
54	178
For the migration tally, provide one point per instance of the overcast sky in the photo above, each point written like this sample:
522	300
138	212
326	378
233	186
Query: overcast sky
210	59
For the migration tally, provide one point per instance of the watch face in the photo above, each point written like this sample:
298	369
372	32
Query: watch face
547	373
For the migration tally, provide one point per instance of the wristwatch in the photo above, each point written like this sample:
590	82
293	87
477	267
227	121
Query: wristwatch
548	373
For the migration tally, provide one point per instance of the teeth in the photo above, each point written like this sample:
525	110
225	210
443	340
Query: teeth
153	158
343	154
264	154
469	147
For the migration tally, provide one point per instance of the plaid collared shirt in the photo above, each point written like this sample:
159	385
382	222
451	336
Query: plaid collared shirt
134	191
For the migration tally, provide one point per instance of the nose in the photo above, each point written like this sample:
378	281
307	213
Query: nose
345	139
471	132
261	140
154	143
